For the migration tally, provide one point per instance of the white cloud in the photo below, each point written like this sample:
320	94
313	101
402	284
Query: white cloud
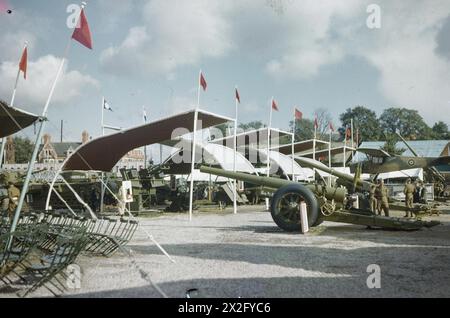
175	33
33	92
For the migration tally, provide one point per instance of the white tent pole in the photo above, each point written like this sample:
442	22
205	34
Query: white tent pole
235	153
102	191
37	144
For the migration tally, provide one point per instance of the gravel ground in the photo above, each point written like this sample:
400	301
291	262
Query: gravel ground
246	255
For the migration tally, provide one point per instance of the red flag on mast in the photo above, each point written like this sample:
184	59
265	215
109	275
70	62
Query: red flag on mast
23	62
82	33
203	82
238	97
316	123
331	126
298	114
274	105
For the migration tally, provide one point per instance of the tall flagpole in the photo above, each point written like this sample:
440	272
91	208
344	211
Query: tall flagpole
292	145
2	149
268	138
268	146
329	158
194	140
345	146
37	143
144	115
235	153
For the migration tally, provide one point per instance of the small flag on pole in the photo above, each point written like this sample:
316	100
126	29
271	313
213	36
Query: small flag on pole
203	82
106	105
23	62
274	105
82	33
331	127
316	123
298	114
144	114
238	97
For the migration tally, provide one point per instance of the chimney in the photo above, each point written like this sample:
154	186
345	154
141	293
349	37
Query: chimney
84	137
46	139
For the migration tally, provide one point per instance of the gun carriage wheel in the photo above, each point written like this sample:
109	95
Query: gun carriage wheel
285	207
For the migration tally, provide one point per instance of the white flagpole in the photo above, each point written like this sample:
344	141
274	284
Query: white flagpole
235	154
144	115
329	158
194	140
314	140
268	138
353	146
345	147
292	145
268	147
38	140
2	149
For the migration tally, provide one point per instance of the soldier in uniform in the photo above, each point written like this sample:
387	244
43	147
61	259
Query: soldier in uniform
372	199
13	196
409	191
382	195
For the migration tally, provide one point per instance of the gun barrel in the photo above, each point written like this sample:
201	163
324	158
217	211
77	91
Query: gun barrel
337	194
319	166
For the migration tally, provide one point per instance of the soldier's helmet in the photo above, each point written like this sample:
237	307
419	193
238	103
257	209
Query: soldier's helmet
408	180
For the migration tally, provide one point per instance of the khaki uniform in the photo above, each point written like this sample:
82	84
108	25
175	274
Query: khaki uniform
409	198
13	196
382	195
372	199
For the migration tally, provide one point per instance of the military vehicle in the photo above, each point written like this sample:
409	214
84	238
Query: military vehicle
323	203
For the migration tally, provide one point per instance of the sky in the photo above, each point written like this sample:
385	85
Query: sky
307	54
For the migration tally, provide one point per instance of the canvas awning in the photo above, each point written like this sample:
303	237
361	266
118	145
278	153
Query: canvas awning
301	146
252	138
13	120
103	153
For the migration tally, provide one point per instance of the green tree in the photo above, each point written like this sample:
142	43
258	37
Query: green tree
24	149
365	123
440	130
304	129
252	125
407	122
390	146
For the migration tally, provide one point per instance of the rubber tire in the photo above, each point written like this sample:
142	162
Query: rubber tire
311	202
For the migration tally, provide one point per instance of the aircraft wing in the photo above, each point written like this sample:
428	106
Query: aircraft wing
374	152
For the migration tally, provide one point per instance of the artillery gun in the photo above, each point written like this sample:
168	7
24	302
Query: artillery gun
323	203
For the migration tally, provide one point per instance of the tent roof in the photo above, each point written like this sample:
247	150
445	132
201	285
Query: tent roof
212	154
251	137
301	146
13	120
283	161
102	154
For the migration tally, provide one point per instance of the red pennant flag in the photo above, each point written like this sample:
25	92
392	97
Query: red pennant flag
274	105
203	82
238	98
331	126
23	62
82	33
316	123
298	114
